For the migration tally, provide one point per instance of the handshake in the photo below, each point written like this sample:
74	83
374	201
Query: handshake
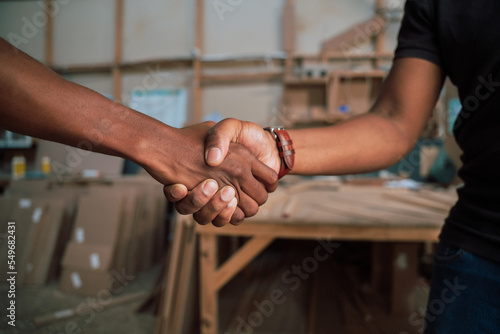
241	166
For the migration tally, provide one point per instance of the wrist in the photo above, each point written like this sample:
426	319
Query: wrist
284	146
173	155
147	142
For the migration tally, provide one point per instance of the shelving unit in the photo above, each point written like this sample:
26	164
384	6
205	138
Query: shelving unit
315	92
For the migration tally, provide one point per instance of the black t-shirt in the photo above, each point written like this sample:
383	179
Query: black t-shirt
463	38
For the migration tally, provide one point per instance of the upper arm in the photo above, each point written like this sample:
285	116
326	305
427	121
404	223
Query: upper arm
409	95
414	83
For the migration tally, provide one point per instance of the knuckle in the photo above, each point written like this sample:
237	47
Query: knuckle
200	219
263	198
218	222
182	209
238	170
236	222
251	210
196	201
238	215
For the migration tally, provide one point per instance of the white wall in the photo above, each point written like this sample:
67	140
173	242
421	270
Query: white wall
251	27
84	32
319	20
20	24
158	29
250	102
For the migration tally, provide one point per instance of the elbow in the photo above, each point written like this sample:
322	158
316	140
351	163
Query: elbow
401	143
403	147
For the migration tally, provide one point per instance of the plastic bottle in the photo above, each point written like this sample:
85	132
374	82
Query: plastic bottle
45	165
18	167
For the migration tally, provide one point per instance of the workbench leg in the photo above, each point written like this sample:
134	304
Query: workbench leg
208	293
394	273
168	295
185	273
240	259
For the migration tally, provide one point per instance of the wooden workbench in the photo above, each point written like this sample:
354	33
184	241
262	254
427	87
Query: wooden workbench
328	212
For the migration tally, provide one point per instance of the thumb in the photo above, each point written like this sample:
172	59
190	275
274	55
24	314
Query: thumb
218	139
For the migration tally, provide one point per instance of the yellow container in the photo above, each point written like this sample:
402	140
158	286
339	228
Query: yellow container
18	167
46	165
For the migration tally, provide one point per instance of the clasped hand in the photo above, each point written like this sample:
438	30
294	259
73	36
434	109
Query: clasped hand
249	158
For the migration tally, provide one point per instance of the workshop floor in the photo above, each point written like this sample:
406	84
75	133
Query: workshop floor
35	301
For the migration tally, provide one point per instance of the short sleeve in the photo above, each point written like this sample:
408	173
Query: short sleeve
418	33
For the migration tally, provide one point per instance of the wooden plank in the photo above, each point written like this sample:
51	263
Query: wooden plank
197	94
307	230
51	317
357	212
208	293
185	275
169	286
291	208
393	210
447	198
341	56
184	62
333	92
240	259
380	38
199	40
256	76
377	211
49	35
118	47
152	302
418	201
288	27
118	50
288	34
197	65
117	84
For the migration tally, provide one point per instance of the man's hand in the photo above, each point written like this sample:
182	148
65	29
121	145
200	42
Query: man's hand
240	175
204	204
261	143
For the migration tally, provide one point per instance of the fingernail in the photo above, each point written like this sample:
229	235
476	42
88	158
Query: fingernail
233	203
214	155
177	192
227	194
209	188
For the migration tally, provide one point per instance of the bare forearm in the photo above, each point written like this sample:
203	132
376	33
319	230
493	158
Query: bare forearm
37	102
362	144
380	138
